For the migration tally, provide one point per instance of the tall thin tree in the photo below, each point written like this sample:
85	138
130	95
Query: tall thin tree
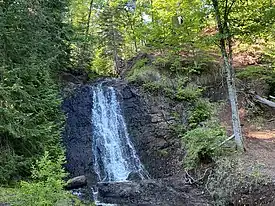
225	44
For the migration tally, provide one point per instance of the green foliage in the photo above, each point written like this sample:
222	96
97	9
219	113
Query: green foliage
11	164
33	49
110	21
230	177
153	87
169	62
46	187
158	77
201	112
152	80
202	145
143	73
265	73
191	92
255	72
101	64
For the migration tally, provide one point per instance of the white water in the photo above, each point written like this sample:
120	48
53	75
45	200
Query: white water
113	153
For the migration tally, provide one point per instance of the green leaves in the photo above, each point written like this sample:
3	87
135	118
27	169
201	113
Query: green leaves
202	145
32	50
46	187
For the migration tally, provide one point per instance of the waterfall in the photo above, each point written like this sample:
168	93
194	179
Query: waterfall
113	153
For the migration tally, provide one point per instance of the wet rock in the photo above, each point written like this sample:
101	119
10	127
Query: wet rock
149	122
78	129
172	192
134	176
76	182
148	119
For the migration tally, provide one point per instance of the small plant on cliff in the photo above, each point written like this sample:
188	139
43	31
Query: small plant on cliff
143	73
201	112
191	92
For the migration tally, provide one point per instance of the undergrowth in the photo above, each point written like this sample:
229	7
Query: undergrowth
230	179
200	135
203	145
45	188
256	73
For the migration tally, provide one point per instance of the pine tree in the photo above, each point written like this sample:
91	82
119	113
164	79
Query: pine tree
32	50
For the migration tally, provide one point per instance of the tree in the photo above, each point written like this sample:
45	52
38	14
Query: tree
33	50
225	45
111	35
235	18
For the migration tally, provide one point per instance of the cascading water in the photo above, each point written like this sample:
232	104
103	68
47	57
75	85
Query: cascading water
113	153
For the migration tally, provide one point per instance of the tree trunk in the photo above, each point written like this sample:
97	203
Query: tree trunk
89	19
226	50
84	54
230	79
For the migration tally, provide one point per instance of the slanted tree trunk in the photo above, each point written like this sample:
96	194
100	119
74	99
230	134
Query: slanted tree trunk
88	24
89	18
226	50
84	55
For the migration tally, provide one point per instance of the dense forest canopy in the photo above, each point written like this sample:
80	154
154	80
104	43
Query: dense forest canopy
42	39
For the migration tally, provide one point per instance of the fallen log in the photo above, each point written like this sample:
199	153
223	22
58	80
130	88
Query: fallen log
265	101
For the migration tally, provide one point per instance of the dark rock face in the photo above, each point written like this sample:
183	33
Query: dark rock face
149	120
172	192
77	136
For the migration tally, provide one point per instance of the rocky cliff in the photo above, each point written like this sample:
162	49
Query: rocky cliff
149	120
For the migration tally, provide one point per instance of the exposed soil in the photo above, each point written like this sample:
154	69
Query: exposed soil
259	134
261	152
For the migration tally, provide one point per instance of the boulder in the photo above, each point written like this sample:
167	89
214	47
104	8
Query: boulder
134	176
76	182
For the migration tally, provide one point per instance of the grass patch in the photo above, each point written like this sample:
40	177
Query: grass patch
256	72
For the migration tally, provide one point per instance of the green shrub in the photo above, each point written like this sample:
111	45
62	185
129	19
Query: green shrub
13	164
201	112
202	145
265	73
143	74
46	187
189	93
101	65
152	87
169	62
255	72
